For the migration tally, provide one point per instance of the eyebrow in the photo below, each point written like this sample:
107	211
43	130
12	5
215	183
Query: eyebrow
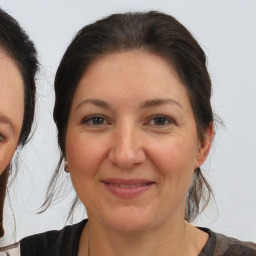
97	102
146	104
158	102
7	120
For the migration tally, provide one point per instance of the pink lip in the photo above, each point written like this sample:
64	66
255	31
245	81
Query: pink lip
127	189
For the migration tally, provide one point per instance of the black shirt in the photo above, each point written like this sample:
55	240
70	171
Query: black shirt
66	241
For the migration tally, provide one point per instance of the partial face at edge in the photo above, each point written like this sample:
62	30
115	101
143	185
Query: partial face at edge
11	108
132	142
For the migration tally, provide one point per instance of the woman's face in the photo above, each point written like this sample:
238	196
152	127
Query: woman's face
132	143
11	108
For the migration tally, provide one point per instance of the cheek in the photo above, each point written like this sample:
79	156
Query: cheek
174	160
173	156
84	155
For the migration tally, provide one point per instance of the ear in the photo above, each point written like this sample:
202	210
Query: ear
205	146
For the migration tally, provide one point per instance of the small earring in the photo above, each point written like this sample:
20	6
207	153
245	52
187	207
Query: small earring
66	167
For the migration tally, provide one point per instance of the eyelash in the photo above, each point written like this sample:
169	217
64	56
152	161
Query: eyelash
92	119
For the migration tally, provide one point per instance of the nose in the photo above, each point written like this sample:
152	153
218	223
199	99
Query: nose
126	150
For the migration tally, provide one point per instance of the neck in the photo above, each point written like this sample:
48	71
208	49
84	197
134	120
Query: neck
173	240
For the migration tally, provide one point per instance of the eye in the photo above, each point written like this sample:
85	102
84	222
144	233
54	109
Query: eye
2	138
160	120
95	120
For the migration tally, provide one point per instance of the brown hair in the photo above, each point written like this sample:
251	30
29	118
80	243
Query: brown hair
154	32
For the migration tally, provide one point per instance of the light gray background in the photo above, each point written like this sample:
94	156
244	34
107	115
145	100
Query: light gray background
226	29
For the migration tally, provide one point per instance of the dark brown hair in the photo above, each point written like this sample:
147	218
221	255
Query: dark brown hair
15	42
154	32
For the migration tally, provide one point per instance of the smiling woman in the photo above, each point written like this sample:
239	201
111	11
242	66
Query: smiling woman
18	65
135	124
141	147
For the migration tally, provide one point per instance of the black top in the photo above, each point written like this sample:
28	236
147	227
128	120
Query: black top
65	243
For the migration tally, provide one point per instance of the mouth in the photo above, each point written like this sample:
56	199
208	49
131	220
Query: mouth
127	189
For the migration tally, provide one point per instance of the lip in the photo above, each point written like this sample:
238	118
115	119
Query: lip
127	189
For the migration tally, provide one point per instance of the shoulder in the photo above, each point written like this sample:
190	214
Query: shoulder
11	250
53	243
233	246
221	245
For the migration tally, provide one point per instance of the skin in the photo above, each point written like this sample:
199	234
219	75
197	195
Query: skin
11	108
131	118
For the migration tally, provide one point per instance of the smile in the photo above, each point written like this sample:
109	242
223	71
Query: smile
127	189
127	186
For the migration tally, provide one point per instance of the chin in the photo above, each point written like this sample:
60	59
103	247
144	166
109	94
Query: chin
131	219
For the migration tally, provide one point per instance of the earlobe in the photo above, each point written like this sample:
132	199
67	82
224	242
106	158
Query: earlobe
205	145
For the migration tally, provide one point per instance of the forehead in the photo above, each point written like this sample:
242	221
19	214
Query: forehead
126	60
11	90
132	73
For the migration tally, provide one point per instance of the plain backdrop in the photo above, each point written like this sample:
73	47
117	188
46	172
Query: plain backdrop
226	29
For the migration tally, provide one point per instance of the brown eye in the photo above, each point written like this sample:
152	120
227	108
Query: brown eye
160	121
97	120
94	120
